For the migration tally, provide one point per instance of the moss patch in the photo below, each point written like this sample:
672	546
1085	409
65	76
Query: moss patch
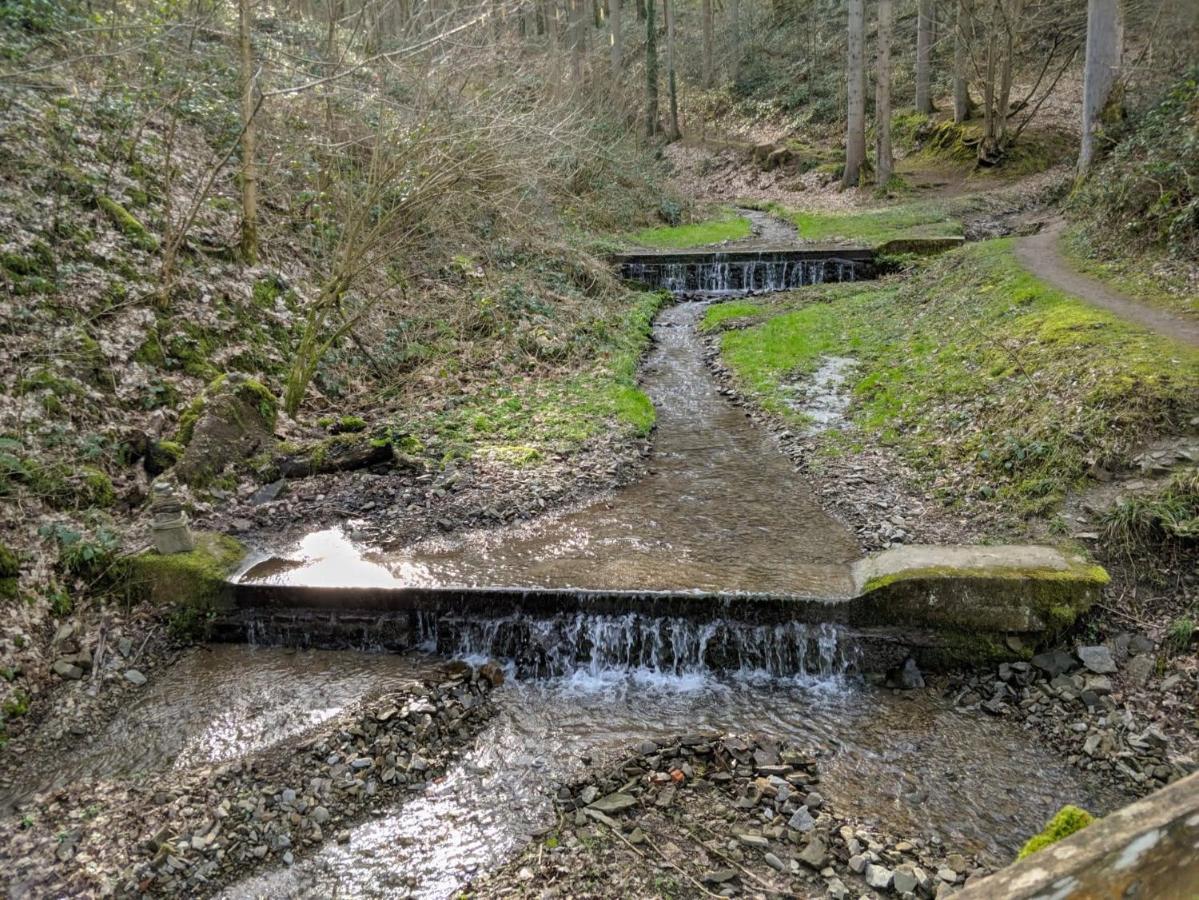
1068	820
127	223
190	587
728	226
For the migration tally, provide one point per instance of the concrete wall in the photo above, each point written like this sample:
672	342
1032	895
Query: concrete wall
1148	850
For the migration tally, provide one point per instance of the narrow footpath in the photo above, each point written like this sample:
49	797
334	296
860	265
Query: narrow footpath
1039	254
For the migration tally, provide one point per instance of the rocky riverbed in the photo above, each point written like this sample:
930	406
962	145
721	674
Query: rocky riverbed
184	833
721	816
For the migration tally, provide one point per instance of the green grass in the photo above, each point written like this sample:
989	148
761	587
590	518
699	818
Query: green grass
971	366
1149	276
717	315
877	226
728	226
546	415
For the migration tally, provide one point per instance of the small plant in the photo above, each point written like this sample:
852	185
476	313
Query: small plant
83	555
16	705
1068	820
1180	634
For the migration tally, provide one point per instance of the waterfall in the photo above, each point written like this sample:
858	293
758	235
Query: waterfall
718	274
597	644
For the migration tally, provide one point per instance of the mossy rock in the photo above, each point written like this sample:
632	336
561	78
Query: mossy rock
127	223
191	588
96	488
160	456
1068	820
231	420
10	570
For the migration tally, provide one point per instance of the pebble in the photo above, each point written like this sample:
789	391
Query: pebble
133	676
1097	659
878	877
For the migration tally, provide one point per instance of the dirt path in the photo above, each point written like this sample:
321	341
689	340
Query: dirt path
1039	254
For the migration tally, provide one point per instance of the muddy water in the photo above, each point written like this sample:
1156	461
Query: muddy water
906	762
721	510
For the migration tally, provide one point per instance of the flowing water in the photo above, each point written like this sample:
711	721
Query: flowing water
720	510
907	762
722	275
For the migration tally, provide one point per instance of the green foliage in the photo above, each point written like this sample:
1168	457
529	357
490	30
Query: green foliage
716	316
1068	820
728	226
83	554
16	705
1145	195
972	365
877	226
1180	634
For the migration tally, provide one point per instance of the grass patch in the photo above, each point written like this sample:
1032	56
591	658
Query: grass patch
717	316
728	226
994	386
1068	820
546	415
1150	276
877	226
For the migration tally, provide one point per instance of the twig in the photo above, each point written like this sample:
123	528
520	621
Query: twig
728	859
703	890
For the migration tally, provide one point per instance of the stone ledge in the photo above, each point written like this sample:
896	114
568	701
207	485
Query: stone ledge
1147	849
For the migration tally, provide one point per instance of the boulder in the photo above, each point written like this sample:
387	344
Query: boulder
1054	662
232	420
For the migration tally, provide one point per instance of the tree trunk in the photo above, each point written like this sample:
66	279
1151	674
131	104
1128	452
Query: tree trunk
642	14
249	169
855	137
1105	39
706	7
576	43
672	85
614	37
735	37
651	70
882	97
963	38
555	48
924	49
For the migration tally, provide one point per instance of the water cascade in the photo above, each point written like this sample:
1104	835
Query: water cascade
720	273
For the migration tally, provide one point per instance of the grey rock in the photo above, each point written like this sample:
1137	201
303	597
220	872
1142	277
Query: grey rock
1140	644
904	879
1054	662
837	889
613	803
64	669
719	876
909	676
814	800
815	855
133	676
268	492
879	877
753	840
1139	669
1097	659
320	815
857	864
775	863
947	875
802	820
1098	684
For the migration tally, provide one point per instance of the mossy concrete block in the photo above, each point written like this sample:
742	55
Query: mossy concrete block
977	590
198	579
1147	849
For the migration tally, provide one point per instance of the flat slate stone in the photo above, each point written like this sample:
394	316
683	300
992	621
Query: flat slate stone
614	803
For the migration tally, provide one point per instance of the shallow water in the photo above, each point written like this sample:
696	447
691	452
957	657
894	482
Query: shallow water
909	763
720	510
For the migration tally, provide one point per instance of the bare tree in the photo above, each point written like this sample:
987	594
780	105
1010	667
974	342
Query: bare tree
651	70
1105	39
855	137
882	97
706	14
671	81
614	37
249	169
735	38
963	37
924	49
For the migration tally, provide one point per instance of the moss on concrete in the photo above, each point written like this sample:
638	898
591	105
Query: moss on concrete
190	587
1068	820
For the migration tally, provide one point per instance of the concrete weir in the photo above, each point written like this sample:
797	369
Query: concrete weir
735	271
942	605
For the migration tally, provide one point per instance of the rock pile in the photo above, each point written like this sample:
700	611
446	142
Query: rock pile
186	834
720	816
1095	704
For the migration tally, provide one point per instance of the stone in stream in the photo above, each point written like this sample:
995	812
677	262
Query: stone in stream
1097	659
613	803
802	820
879	877
815	855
